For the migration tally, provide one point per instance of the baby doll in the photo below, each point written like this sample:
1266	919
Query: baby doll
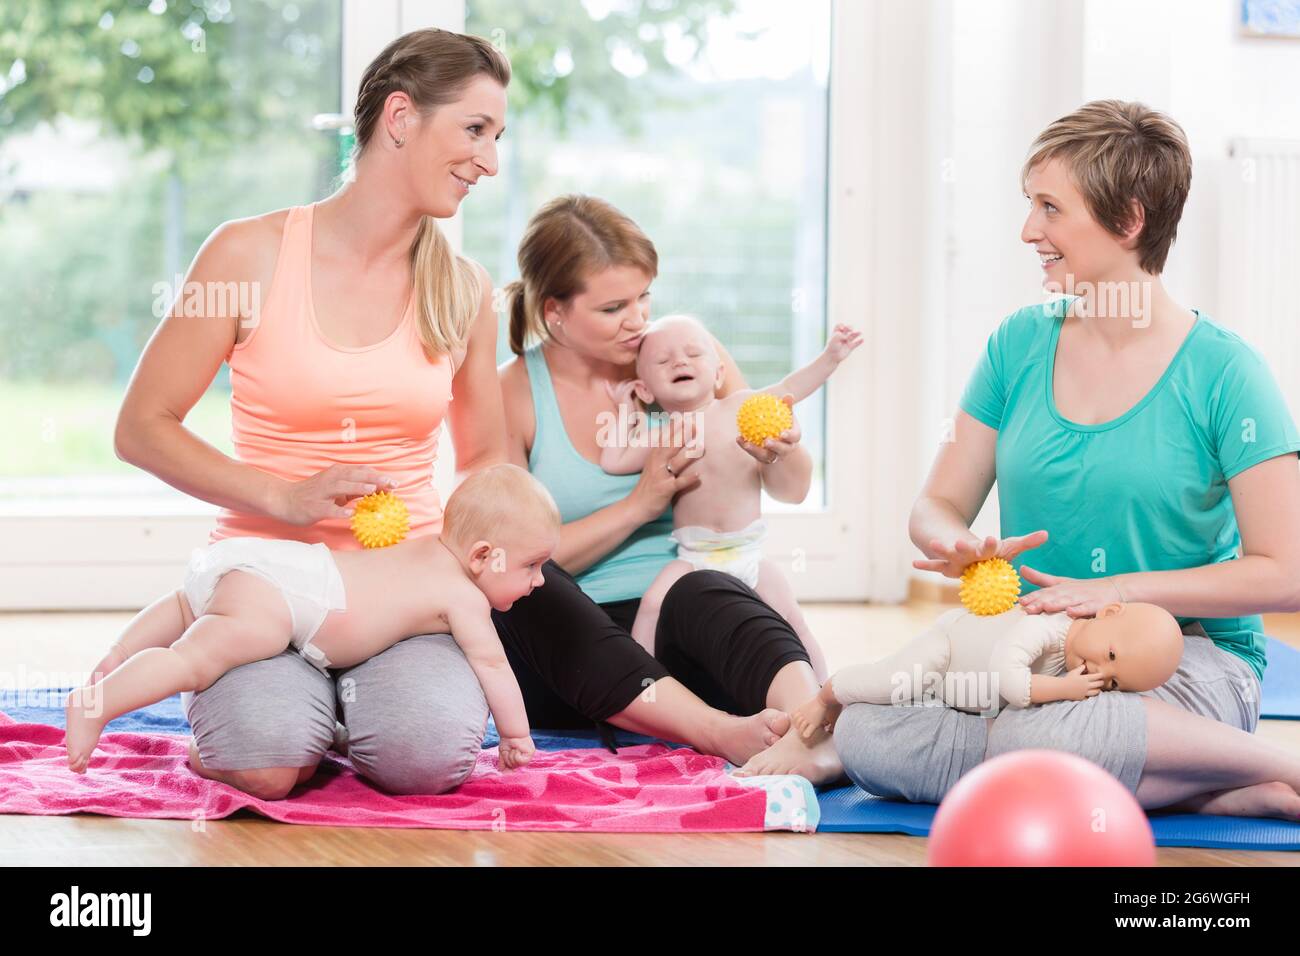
717	523
971	663
247	599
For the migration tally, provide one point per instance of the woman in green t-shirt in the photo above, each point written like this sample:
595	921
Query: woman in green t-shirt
1142	453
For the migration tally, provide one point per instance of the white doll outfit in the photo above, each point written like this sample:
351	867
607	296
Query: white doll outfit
739	553
306	575
971	663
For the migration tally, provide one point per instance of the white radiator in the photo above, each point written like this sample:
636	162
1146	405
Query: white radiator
1259	254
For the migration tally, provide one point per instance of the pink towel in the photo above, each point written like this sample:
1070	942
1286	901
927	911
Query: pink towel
645	789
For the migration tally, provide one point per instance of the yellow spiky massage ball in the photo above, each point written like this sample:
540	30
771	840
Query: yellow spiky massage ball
761	417
989	587
380	519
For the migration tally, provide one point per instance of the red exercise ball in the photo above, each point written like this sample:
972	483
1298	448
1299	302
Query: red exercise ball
1040	808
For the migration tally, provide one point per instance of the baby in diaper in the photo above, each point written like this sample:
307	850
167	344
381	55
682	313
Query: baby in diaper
248	599
718	523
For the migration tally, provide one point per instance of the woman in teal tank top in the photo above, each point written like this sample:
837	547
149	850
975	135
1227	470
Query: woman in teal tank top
1142	452
720	651
580	487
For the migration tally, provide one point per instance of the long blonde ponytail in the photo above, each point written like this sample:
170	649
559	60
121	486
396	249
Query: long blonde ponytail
447	290
432	67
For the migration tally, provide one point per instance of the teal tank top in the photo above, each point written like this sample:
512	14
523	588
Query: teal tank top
580	487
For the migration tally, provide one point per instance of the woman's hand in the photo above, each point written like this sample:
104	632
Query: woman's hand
1077	597
666	473
325	493
952	560
774	449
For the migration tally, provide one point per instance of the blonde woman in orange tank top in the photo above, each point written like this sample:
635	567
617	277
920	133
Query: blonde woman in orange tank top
363	326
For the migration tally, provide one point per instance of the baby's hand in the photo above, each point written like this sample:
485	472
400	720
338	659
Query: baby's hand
514	752
621	392
843	340
1081	686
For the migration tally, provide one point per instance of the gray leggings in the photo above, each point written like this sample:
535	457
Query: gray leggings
918	753
414	715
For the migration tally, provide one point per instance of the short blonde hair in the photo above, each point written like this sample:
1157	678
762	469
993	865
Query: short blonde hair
495	500
1117	152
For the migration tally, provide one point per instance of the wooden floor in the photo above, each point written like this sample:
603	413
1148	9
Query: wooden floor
39	650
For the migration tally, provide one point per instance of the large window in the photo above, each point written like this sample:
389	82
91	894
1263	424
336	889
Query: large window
128	132
705	121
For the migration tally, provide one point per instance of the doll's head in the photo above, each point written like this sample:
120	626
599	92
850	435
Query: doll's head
678	364
503	525
1133	647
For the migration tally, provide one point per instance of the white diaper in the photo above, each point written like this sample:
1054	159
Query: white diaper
305	574
736	552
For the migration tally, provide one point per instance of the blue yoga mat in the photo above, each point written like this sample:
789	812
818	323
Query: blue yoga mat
851	810
1281	682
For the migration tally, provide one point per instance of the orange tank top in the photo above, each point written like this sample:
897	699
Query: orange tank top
299	404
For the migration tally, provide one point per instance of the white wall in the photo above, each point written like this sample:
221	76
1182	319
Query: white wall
1191	60
1015	68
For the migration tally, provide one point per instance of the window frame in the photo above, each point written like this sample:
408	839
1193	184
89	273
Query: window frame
124	561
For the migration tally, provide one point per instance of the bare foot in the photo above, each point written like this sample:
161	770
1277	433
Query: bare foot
814	758
84	709
739	738
813	715
1275	799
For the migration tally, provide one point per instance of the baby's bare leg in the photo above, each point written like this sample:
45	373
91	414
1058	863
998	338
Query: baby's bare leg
246	620
647	615
774	588
158	625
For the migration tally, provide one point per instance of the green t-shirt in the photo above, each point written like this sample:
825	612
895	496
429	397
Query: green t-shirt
1147	491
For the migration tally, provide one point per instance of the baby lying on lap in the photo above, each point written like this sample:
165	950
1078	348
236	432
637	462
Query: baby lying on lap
248	599
973	663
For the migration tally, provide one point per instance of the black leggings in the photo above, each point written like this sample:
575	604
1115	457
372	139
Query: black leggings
576	661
